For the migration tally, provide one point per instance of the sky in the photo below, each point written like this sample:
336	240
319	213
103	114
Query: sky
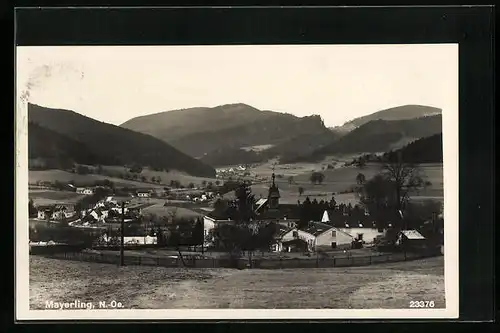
339	82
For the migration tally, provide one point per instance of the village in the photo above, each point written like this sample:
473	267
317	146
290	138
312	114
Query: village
297	230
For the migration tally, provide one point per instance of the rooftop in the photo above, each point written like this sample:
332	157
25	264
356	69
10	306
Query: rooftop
282	231
412	234
316	228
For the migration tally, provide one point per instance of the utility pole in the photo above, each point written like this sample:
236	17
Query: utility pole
122	236
404	242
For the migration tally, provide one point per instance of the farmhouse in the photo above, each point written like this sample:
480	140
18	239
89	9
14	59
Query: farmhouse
325	237
358	226
85	190
316	236
411	239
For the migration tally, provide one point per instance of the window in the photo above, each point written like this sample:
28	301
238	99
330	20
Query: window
334	233
295	234
334	245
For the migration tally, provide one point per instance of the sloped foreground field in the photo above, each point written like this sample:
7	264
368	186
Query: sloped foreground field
382	286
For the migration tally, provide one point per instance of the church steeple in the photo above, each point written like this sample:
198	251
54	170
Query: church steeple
274	193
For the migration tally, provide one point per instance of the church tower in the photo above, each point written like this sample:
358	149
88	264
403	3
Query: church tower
274	195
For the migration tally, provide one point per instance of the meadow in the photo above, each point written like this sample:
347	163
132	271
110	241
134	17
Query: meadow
49	197
157	207
82	180
166	177
160	210
386	286
337	180
36	176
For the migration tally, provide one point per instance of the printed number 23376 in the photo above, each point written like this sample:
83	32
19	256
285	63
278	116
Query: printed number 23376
421	304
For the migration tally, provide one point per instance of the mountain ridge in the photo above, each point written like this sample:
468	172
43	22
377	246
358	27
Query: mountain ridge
379	136
118	145
402	112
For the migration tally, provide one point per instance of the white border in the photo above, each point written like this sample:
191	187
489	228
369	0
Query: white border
450	165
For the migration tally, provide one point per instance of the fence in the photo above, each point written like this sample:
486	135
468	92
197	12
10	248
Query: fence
264	263
109	258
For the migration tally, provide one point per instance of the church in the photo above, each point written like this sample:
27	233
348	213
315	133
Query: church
266	210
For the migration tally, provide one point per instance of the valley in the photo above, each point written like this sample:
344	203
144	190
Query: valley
236	141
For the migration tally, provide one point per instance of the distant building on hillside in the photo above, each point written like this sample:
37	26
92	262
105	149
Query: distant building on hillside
144	194
85	190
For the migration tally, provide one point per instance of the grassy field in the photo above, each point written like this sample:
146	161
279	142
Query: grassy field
342	179
382	286
160	210
166	177
48	197
64	176
156	206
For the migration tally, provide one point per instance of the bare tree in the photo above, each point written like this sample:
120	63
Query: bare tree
405	178
301	190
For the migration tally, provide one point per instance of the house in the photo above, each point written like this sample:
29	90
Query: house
62	211
111	201
99	214
213	219
359	227
411	239
144	194
55	212
118	210
281	237
316	236
45	211
85	190
321	236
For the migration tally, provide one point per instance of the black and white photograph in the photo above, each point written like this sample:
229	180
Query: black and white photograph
237	181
